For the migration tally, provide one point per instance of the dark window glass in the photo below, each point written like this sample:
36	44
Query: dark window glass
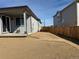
8	28
22	21
17	21
4	23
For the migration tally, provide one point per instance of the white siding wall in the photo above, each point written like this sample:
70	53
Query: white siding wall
29	26
32	25
35	27
22	29
0	25
77	14
39	26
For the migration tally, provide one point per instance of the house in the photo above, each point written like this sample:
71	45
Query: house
18	21
69	16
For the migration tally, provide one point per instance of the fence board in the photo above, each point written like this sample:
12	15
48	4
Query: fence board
67	31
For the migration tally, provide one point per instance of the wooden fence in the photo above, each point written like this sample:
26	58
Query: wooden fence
72	32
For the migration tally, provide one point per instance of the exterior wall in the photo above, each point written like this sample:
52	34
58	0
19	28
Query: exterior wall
22	29
29	28
68	16
39	26
57	20
31	25
0	25
35	27
14	28
77	14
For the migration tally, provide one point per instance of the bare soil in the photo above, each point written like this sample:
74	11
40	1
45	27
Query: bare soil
39	45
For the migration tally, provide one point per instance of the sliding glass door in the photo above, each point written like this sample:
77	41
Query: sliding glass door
6	24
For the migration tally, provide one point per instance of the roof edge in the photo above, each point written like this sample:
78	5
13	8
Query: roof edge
27	8
65	8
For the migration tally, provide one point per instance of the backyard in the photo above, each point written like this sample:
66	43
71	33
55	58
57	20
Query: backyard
41	45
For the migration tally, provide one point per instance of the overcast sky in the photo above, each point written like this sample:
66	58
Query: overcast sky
44	9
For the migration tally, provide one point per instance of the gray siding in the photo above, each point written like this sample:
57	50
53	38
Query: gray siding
57	21
68	16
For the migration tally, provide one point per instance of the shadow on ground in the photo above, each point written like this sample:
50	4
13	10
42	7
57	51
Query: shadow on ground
74	40
34	37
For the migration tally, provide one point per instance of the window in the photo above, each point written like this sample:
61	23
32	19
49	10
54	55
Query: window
6	23
17	22
22	21
62	20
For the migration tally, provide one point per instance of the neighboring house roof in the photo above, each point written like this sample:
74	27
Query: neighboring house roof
26	7
57	13
68	6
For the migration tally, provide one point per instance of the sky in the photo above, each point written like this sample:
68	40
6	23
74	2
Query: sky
43	9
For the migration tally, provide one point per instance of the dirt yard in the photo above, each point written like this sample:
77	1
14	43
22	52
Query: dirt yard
38	46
